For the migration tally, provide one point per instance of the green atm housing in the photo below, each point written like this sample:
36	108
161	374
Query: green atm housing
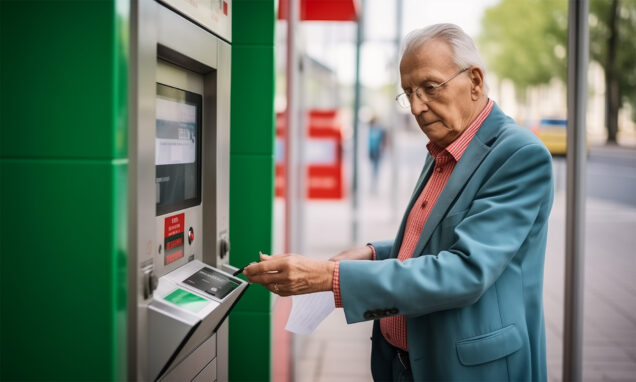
64	187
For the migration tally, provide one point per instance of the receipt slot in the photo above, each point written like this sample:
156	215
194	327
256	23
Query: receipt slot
179	191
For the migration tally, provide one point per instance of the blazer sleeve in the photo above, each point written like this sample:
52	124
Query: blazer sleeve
382	249
495	226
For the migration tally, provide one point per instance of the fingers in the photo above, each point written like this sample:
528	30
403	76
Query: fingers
274	273
268	264
270	270
290	274
267	278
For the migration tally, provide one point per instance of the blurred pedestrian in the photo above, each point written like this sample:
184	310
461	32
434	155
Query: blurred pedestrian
457	294
377	145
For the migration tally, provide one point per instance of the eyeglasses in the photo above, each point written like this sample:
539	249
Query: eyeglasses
431	90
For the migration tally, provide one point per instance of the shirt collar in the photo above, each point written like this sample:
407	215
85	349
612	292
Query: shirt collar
458	146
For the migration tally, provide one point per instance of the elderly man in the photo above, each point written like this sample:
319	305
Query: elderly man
457	294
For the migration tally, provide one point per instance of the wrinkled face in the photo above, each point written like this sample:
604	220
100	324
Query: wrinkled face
442	114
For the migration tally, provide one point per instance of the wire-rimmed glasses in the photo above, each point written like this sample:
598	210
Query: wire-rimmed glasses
431	89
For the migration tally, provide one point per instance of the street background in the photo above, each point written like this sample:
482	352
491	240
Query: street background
340	352
524	46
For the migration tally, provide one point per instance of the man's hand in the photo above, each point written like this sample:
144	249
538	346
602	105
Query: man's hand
358	253
290	274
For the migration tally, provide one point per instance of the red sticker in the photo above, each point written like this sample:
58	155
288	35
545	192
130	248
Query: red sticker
174	243
225	8
174	256
174	225
173	238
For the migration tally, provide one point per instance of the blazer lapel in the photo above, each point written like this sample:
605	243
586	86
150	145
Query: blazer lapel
470	160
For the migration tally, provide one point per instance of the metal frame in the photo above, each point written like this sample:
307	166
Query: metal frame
158	32
578	53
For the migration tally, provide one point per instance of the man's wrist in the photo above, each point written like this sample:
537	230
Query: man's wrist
328	285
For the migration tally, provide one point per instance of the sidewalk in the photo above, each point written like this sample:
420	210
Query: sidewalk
340	352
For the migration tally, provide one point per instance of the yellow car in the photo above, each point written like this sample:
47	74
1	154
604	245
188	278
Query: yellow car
552	133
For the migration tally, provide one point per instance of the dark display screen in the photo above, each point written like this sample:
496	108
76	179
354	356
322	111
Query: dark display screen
212	282
177	149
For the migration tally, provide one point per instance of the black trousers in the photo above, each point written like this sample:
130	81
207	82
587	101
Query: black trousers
384	354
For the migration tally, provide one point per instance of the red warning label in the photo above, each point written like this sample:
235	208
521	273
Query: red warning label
174	225
173	238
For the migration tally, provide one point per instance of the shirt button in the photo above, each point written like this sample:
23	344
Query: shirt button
439	169
424	203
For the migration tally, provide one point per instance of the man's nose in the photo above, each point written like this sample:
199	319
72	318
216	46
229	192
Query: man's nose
417	105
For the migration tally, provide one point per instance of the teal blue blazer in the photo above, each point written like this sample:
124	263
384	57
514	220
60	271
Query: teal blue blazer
472	292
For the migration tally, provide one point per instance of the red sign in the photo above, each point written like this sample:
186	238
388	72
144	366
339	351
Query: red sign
321	10
173	227
323	155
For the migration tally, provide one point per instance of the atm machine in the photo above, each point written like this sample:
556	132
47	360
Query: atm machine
180	281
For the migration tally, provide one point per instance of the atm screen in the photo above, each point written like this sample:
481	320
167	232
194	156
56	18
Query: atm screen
177	149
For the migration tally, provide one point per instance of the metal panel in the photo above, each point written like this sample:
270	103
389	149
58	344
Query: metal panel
175	76
223	359
216	165
196	363
143	61
182	36
215	16
167	327
208	374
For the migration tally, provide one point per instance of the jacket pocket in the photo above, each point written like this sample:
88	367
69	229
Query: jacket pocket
489	347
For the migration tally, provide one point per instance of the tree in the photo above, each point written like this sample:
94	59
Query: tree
613	45
525	41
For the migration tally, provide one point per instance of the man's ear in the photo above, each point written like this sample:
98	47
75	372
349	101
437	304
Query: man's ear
476	76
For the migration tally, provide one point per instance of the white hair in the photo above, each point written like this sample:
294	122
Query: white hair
465	52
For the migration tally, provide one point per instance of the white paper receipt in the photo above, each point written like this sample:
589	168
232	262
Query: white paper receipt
308	311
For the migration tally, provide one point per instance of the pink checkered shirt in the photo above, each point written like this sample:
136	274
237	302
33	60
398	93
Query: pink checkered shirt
394	328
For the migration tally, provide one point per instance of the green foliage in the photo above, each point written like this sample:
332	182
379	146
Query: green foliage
626	50
525	41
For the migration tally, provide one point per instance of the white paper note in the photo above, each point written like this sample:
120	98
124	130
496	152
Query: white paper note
308	311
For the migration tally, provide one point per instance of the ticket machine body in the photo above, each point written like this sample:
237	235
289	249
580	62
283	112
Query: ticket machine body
180	282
